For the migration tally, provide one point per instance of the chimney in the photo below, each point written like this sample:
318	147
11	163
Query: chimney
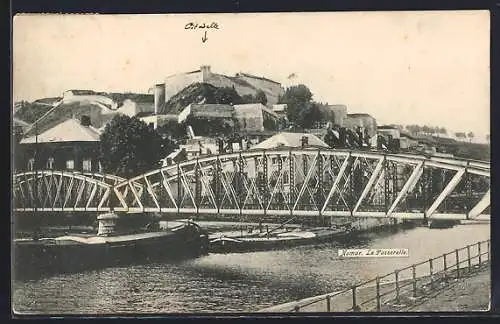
305	141
205	72
159	93
85	120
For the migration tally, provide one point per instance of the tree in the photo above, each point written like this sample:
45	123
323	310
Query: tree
204	126
227	96
309	116
261	97
443	131
270	124
470	135
172	129
248	99
460	135
130	147
297	98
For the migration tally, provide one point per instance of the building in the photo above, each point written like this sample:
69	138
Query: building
101	107
281	110
407	141
250	117
244	83
388	130
70	145
335	114
217	111
365	121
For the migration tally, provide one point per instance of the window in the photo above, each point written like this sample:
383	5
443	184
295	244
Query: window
50	163
70	164
87	165
31	164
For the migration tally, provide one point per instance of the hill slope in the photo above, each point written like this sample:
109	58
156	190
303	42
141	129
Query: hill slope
30	112
194	93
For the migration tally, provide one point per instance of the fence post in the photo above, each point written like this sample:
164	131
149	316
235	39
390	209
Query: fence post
378	293
328	305
430	273
479	252
354	306
445	266
396	274
488	249
414	281
468	257
457	264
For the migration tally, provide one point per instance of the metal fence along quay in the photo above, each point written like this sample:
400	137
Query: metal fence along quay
410	282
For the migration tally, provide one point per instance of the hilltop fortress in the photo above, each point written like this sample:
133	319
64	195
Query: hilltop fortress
243	83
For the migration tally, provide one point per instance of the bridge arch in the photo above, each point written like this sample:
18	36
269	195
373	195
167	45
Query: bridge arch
52	190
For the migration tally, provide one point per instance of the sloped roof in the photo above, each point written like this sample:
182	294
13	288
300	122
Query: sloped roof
255	77
68	131
290	140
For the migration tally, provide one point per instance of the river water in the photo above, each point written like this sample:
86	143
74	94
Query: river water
235	282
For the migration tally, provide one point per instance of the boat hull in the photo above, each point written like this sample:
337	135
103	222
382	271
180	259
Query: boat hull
39	258
242	245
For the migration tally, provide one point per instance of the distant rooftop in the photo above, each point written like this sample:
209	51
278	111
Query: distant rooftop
387	127
70	130
255	77
359	115
294	140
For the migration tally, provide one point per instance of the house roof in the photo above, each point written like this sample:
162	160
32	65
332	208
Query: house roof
387	127
290	140
255	77
68	131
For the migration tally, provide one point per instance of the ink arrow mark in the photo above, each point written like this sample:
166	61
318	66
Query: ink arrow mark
204	38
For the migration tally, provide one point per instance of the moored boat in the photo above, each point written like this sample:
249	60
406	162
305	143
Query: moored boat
268	241
76	252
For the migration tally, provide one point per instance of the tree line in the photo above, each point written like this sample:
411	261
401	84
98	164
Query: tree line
416	130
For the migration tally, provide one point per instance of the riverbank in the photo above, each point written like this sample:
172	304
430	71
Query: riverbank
470	293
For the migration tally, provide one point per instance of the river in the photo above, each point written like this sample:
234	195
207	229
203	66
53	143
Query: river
233	282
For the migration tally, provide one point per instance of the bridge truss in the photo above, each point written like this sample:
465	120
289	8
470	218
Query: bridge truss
304	183
50	190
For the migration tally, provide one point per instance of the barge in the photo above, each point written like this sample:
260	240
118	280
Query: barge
77	252
251	242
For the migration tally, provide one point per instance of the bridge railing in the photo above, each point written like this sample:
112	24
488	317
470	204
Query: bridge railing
412	282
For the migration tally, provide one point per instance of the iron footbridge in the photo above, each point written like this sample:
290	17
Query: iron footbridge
297	182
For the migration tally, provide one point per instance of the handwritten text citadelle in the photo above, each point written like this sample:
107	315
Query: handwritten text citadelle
194	26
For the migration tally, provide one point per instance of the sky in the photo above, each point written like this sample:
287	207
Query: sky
421	68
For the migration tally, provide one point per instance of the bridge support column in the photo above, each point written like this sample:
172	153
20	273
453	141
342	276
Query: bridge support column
107	224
